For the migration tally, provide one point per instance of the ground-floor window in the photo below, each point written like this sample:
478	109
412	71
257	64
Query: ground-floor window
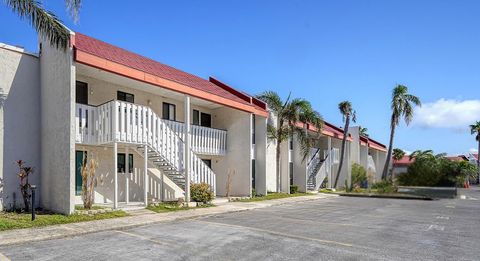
290	171
80	159
121	163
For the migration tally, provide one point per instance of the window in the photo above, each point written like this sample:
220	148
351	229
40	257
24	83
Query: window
291	172
206	120
126	97
81	92
290	143
207	162
121	163
80	159
253	174
169	111
196	117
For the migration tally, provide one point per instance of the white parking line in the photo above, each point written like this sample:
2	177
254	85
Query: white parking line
443	217
164	243
435	227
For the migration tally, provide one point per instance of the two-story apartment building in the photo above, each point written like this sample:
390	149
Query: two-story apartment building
152	129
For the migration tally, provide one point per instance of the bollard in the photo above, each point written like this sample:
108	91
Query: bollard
33	187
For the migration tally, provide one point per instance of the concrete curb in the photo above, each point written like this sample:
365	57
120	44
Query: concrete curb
19	236
363	195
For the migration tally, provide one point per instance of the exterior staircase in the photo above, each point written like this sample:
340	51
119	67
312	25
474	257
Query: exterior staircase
140	127
317	171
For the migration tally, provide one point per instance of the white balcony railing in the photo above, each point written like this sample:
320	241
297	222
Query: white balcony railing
95	126
204	140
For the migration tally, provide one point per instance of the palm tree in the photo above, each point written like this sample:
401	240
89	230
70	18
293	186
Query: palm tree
398	154
288	114
348	113
46	23
402	107
475	130
363	131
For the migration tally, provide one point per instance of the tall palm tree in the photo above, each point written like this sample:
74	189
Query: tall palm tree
475	130
45	22
402	107
288	114
348	114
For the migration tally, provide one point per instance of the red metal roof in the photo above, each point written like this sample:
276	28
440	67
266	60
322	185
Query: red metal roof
475	155
405	161
457	158
129	59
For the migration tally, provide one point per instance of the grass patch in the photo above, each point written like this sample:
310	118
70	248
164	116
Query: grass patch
12	220
171	207
271	196
94	207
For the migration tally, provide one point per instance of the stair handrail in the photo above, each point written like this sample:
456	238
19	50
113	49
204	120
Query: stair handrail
152	138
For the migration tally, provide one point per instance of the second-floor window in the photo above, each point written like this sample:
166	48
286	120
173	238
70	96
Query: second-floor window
126	97
169	111
201	119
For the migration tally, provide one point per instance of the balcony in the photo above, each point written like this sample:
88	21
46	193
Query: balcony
118	121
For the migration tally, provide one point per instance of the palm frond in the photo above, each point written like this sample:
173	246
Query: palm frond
273	100
74	7
45	23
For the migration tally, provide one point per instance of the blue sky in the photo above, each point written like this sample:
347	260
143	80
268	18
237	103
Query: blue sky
325	51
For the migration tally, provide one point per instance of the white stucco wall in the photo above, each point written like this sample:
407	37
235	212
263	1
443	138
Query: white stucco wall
271	158
238	159
19	121
260	155
299	167
57	77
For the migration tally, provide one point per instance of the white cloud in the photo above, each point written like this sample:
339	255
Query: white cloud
450	114
473	150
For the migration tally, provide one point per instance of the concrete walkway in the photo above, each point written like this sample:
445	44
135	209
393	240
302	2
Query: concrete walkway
138	218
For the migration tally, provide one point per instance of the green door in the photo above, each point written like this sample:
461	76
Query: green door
78	171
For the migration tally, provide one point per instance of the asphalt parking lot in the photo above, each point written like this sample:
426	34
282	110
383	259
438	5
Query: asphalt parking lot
339	228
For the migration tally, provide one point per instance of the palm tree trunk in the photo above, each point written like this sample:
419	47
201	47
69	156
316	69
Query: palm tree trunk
279	186
390	149
342	156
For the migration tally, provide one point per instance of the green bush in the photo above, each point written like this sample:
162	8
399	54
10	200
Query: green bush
384	186
436	171
201	192
359	175
293	189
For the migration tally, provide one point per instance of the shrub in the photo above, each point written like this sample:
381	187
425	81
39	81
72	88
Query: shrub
359	175
384	186
436	170
201	192
293	189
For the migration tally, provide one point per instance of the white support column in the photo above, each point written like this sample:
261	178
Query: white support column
187	148
330	161
127	176
145	175
115	176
